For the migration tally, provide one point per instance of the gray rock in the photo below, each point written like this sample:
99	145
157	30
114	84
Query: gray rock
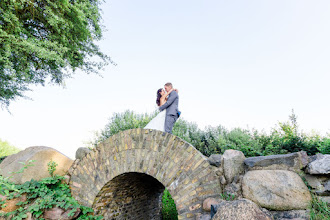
215	160
314	157
208	202
320	184
59	213
203	217
233	164
321	165
293	214
294	162
276	189
81	152
314	182
223	180
39	170
327	186
238	209
233	189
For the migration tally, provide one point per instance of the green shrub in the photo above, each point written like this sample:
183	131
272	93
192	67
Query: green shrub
41	195
324	146
121	122
169	211
7	149
284	138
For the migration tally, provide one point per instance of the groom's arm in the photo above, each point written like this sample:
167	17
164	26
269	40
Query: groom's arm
169	101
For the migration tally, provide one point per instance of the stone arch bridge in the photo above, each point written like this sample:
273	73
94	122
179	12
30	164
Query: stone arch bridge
125	176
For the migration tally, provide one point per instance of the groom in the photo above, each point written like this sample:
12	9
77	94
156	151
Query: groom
171	107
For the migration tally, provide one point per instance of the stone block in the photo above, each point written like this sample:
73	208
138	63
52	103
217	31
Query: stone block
276	189
319	165
294	162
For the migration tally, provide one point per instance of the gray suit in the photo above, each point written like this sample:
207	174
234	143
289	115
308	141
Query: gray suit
172	108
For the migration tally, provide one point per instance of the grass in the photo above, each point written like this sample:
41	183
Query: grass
319	210
169	211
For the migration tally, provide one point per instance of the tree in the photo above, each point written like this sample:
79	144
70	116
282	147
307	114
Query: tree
43	40
7	149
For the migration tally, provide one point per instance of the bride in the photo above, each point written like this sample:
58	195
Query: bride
158	122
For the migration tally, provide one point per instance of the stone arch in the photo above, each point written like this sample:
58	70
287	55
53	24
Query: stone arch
163	158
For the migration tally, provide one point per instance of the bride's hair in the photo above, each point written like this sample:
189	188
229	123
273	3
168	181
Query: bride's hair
158	96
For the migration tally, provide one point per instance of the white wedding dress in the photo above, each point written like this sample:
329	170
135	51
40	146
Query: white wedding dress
158	122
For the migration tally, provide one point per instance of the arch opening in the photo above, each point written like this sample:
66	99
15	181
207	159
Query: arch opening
130	196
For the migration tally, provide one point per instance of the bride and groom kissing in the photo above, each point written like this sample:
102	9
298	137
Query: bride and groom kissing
168	103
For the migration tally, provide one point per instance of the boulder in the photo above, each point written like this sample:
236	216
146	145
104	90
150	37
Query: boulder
215	160
203	216
233	190
233	164
293	214
294	162
39	170
239	209
58	213
276	189
321	165
314	182
11	204
208	202
320	184
82	152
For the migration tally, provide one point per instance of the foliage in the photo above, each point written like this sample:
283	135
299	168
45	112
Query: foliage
121	122
324	146
169	211
7	149
319	209
44	194
25	166
44	39
284	138
227	196
6	186
51	167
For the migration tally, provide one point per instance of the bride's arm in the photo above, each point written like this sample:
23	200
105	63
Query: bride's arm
163	99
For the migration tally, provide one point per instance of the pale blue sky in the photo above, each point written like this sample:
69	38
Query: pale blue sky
236	63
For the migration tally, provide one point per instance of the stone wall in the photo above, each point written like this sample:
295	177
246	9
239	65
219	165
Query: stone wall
130	196
275	183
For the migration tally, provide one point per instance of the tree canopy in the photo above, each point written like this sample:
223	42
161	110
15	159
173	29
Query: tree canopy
47	40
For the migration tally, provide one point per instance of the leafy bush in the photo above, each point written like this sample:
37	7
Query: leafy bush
284	138
41	195
169	211
7	149
121	122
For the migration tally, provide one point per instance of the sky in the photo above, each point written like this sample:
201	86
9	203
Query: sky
236	63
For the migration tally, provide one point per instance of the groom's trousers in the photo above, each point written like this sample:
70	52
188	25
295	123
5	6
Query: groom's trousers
169	123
